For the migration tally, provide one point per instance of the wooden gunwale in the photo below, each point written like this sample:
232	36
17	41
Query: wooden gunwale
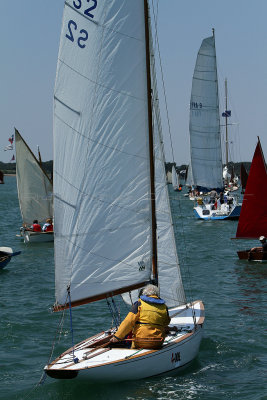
33	233
134	357
167	346
252	255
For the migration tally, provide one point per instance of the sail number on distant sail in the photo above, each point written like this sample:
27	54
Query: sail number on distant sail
195	106
72	26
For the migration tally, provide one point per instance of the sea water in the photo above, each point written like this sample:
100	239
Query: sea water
232	360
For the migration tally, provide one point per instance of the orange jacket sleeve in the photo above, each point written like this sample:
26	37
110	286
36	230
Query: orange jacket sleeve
128	323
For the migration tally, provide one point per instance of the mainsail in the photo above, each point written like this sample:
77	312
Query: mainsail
204	126
103	224
35	190
253	217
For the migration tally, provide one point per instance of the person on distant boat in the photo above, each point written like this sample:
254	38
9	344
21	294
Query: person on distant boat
263	247
35	227
48	226
148	321
221	198
213	196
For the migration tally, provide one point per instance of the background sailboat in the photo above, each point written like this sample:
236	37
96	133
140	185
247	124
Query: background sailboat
205	136
204	125
35	191
253	218
175	179
112	239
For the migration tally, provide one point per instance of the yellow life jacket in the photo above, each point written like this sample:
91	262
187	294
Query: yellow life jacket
153	314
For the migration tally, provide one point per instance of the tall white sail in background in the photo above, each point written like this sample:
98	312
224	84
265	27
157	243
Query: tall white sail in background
35	190
205	140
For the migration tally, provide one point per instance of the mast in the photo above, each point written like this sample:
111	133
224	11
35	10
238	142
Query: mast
39	155
226	126
151	149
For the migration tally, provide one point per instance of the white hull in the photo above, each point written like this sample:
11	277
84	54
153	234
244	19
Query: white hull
36	237
122	364
208	211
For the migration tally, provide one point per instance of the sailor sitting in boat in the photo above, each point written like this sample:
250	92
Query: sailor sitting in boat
263	247
35	227
148	321
48	226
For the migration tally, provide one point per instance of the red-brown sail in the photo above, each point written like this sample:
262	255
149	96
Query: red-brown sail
253	217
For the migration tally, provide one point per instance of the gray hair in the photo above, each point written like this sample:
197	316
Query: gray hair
150	290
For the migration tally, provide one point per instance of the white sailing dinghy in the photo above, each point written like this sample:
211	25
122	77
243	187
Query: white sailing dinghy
112	239
35	192
205	136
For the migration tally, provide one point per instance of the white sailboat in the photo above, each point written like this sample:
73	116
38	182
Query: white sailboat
112	239
205	135
35	192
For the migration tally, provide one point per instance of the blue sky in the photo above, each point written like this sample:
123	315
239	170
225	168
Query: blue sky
30	31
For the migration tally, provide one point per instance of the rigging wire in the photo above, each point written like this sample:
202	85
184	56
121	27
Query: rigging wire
117	311
75	359
44	375
115	316
162	76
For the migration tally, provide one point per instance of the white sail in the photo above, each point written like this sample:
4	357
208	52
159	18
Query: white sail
101	166
169	177
169	276
205	140
175	179
35	191
170	281
189	178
